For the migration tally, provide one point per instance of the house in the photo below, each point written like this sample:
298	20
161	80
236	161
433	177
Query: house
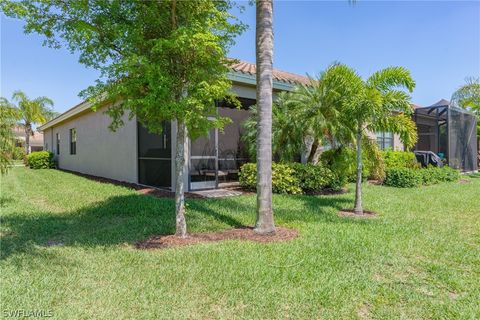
36	140
82	142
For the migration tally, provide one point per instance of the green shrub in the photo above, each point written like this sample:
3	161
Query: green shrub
293	178
399	159
315	178
19	153
411	177
40	160
403	177
432	175
283	178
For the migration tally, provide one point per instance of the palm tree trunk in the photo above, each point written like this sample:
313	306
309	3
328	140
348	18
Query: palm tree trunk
28	132
313	151
264	55
180	156
358	186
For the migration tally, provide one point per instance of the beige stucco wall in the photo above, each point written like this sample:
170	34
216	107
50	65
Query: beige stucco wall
100	152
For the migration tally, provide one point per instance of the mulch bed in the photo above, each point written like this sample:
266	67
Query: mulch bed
245	233
464	181
351	214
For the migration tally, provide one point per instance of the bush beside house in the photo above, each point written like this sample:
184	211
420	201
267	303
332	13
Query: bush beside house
293	178
40	160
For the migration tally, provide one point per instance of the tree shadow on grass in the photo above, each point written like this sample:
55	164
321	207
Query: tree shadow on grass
131	218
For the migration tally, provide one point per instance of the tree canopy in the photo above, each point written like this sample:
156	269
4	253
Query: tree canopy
159	60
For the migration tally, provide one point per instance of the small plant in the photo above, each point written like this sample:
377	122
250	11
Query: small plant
40	160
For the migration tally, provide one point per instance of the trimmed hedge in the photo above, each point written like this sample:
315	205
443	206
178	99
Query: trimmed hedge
409	177
40	160
293	178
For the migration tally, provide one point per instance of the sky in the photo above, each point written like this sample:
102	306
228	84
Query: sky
438	41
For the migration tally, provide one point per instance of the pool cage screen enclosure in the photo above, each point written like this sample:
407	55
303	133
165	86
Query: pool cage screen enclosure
450	132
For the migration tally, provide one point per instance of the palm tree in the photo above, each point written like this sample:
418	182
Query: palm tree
287	129
320	107
379	104
264	60
32	112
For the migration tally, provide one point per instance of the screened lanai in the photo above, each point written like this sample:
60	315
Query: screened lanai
450	132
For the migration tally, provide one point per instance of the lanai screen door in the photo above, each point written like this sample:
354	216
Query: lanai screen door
204	162
215	160
155	157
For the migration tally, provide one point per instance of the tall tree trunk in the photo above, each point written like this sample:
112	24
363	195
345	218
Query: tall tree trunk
180	156
264	55
28	132
358	186
313	151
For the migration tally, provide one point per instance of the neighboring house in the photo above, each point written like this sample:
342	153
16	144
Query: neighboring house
449	132
36	140
82	142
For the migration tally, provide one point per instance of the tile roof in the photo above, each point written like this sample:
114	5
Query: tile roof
278	75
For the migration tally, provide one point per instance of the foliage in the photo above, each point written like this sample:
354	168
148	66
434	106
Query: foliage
287	130
19	153
403	177
312	112
8	119
342	162
379	103
146	51
283	178
315	178
294	178
399	159
433	175
30	112
40	160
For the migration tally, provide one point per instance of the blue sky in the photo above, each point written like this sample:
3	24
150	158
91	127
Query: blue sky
439	42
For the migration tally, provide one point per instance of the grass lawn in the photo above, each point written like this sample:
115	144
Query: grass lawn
420	259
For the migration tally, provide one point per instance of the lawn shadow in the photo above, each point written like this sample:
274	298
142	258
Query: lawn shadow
119	219
136	217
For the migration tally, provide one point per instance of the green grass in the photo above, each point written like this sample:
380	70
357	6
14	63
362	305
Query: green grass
419	260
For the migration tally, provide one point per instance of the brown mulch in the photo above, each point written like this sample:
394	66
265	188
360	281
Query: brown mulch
351	214
464	181
245	233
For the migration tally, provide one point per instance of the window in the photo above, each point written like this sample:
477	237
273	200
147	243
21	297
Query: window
73	141
58	142
385	140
